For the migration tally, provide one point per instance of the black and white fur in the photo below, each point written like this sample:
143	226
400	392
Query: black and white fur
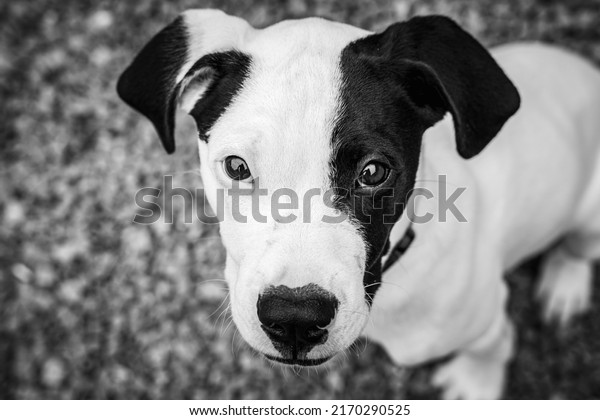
307	103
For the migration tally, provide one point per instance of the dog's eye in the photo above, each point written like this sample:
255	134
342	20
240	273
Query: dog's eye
373	174
237	169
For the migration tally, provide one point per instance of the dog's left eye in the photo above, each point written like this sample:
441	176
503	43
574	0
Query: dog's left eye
373	174
237	169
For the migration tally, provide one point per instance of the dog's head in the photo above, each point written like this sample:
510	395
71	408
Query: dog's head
313	129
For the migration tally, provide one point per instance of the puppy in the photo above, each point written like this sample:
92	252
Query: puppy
372	132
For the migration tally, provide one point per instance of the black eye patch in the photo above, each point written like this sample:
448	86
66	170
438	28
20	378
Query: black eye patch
377	119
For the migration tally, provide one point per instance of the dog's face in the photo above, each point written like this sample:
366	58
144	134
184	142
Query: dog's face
309	138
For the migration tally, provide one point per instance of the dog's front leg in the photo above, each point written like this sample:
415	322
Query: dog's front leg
478	370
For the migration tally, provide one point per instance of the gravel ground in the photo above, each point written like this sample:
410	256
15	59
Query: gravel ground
94	306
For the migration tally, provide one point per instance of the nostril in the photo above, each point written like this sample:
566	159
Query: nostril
275	331
316	335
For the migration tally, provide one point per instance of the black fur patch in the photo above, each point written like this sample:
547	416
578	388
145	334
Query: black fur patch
228	71
378	120
148	84
396	85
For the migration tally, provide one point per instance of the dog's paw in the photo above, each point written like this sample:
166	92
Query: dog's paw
565	287
468	378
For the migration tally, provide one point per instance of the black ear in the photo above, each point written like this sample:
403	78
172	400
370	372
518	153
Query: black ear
193	53
444	69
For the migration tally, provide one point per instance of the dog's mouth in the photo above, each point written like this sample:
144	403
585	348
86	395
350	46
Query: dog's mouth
298	362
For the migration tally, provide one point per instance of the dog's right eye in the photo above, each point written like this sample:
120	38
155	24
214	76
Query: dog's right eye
373	174
237	169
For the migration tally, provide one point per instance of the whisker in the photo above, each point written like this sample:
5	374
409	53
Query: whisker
226	318
366	344
233	349
228	325
220	306
354	312
387	282
215	280
223	313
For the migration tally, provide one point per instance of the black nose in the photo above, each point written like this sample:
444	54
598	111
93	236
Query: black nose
296	319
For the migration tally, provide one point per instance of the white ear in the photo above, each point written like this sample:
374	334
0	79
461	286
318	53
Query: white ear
187	57
210	31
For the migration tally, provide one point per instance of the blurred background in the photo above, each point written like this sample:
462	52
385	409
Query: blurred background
95	306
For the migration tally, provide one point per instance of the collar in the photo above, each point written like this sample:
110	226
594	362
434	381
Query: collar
399	249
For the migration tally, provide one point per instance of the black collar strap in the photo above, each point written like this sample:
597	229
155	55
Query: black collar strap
399	249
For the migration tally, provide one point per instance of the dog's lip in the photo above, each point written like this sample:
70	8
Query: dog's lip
298	362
